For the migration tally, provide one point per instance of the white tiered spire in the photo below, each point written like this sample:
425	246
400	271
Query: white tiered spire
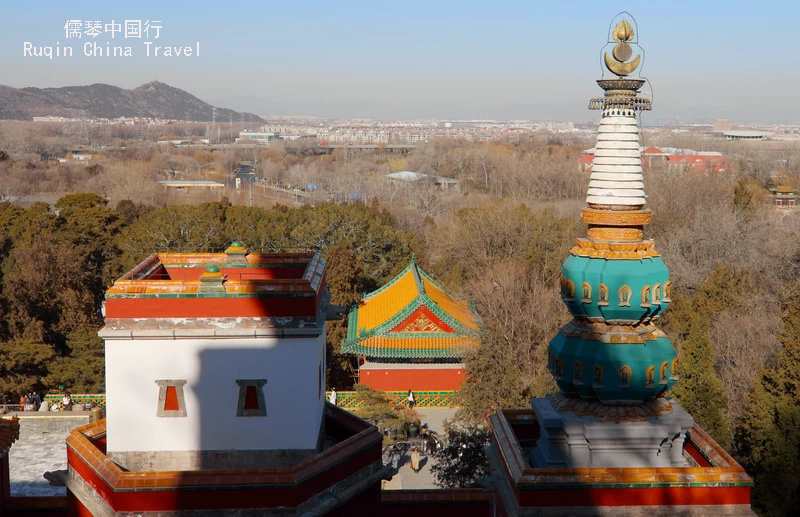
616	178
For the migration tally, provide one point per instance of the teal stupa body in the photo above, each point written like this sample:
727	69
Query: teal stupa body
614	282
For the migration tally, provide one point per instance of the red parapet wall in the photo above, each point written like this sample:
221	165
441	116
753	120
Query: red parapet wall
223	489
718	481
238	273
207	285
192	307
669	496
411	378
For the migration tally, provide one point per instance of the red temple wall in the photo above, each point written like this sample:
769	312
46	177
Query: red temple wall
449	379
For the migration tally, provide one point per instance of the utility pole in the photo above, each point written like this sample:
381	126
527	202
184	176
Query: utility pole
140	131
83	137
213	122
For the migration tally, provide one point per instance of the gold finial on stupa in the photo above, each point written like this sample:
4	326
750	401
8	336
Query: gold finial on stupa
623	33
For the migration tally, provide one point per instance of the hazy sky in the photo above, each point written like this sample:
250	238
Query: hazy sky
437	58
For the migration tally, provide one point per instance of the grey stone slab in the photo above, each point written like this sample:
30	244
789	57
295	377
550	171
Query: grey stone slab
35	453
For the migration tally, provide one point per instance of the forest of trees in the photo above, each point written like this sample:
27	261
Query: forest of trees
499	241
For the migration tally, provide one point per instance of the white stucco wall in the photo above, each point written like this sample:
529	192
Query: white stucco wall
211	367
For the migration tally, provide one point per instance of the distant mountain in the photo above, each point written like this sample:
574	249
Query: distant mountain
154	99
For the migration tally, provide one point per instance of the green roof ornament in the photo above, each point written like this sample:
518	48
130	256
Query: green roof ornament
236	253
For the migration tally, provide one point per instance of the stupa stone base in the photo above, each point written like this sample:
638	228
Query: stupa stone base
635	436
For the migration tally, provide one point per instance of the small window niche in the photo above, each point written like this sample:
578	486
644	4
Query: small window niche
171	402
624	374
578	374
597	378
251	397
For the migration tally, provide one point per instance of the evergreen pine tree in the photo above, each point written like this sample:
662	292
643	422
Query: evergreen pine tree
768	438
344	274
699	390
494	381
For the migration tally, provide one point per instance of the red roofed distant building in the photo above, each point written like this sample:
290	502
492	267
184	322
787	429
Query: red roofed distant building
585	162
653	155
679	163
698	163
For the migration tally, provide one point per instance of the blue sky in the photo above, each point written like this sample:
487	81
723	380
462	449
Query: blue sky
441	58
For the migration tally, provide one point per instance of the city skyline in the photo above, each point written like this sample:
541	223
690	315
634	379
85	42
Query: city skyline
507	60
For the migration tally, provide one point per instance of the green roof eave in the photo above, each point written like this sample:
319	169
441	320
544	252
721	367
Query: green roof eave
352	323
354	348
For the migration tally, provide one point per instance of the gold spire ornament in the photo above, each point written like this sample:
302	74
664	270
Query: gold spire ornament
622	33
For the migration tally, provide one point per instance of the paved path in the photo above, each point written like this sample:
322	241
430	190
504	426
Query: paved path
33	455
406	478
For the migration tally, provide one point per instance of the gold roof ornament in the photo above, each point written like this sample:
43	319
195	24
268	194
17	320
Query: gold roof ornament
623	31
622	52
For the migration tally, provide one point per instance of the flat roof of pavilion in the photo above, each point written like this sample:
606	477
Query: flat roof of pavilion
288	289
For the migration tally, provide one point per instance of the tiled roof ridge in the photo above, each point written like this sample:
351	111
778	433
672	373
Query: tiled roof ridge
473	309
388	284
416	272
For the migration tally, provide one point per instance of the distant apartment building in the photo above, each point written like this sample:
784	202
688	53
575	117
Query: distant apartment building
291	132
722	125
412	137
559	126
50	118
366	132
253	137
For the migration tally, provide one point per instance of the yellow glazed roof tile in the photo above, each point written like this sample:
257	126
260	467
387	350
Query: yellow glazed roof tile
455	308
381	306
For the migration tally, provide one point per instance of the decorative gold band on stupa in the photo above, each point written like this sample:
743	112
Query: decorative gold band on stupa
616	225
635	218
634	250
604	233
